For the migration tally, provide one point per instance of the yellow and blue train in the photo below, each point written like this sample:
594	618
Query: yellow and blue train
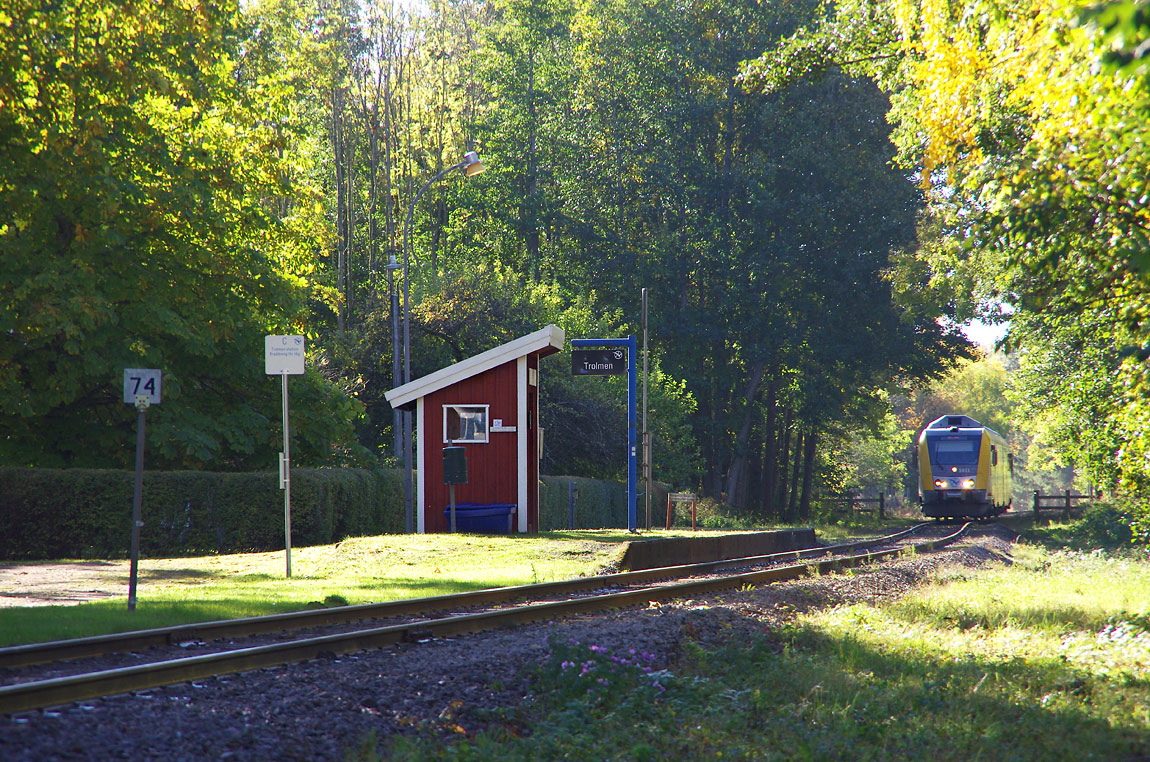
964	469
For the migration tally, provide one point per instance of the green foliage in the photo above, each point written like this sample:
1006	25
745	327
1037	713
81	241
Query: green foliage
1107	524
79	513
876	460
143	176
1027	125
199	176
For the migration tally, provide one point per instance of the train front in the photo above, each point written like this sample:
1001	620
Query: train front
950	484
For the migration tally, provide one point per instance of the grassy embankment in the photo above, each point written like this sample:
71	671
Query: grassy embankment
358	570
1045	659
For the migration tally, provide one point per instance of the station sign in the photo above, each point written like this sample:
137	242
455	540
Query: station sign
598	362
283	354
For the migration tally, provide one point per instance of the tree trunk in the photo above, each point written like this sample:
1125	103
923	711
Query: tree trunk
739	447
808	474
531	236
789	497
769	474
337	139
349	227
786	457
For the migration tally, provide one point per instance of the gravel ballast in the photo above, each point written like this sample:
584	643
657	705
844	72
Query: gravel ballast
320	709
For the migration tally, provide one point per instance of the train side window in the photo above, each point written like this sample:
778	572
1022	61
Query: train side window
993	455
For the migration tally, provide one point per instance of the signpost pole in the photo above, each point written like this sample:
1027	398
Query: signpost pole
142	388
632	438
137	500
287	476
284	356
646	433
585	363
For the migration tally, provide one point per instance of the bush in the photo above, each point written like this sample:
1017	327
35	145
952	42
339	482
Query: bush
82	513
1109	525
1139	520
1105	525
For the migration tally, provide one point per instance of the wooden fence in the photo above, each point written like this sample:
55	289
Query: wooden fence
1064	502
860	504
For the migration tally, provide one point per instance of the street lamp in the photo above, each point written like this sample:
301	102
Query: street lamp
393	299
470	166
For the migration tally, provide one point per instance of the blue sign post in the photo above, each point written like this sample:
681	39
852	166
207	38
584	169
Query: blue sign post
632	431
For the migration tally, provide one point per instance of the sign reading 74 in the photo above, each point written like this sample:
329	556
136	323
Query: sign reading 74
142	382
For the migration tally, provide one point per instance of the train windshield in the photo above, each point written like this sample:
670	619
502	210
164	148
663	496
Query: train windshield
956	451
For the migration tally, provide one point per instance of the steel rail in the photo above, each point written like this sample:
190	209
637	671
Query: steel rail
138	640
32	695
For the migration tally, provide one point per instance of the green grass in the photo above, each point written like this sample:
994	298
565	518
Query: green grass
1044	659
357	570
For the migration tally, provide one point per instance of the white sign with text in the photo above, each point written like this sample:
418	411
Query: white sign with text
283	354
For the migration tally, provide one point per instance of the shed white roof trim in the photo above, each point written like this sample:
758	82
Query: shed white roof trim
550	336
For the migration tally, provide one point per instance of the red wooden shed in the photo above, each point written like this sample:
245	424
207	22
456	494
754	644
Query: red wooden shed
488	404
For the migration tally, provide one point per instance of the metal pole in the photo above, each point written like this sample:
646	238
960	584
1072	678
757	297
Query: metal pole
632	403
451	491
646	432
632	443
397	418
137	502
409	504
287	477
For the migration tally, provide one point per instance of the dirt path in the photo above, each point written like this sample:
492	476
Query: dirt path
57	584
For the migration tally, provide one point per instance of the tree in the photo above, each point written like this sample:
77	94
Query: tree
146	222
1031	122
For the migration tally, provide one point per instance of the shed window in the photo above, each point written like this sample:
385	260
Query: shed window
465	423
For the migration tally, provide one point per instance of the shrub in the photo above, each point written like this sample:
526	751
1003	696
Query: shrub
1105	525
83	513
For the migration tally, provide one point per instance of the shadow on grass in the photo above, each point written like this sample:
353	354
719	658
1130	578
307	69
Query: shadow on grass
178	575
810	695
603	536
872	703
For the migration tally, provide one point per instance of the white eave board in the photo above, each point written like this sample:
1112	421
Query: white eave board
549	337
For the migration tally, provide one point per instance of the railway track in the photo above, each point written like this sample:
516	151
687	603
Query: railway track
416	620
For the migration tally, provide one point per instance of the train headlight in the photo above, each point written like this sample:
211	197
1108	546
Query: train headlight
940	483
968	484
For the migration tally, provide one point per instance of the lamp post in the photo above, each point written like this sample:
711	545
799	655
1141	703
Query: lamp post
393	299
470	166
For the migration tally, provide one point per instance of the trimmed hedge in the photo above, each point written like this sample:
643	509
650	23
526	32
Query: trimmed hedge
598	505
85	513
81	513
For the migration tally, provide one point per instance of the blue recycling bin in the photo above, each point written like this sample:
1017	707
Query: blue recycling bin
482	518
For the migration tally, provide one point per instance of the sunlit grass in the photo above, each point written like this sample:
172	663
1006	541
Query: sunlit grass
1074	606
354	571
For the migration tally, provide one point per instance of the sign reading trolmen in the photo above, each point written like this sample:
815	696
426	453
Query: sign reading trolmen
598	362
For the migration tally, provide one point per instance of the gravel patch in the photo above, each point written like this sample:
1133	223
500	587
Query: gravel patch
319	709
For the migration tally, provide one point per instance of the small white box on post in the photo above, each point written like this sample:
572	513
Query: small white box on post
283	357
